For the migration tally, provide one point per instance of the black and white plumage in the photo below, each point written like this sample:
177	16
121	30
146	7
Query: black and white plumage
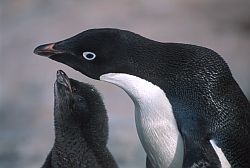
207	102
81	127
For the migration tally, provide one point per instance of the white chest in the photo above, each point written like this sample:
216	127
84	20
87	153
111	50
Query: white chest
155	122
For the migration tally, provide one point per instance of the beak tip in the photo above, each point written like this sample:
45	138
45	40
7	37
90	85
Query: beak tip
45	50
36	50
63	79
60	73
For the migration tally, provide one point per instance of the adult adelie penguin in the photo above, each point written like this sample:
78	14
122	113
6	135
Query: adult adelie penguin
81	127
207	102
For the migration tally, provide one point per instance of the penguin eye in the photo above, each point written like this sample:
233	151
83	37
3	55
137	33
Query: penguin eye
89	55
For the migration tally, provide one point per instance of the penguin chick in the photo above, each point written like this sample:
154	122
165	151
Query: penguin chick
81	127
207	102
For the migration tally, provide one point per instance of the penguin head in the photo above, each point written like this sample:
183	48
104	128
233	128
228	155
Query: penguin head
96	52
70	103
93	52
79	105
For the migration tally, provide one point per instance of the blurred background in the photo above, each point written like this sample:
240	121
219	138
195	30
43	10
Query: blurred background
26	80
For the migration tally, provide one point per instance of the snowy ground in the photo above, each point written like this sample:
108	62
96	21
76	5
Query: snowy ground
26	80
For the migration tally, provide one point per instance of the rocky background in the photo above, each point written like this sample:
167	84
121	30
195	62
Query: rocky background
26	80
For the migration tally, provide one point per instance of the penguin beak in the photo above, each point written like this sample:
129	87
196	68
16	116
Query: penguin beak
47	50
63	79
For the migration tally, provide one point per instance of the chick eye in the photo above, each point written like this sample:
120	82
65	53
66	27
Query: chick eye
89	55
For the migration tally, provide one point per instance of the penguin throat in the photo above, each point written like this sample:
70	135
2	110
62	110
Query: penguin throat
155	122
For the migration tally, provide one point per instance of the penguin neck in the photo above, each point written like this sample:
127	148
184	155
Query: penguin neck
155	122
66	134
64	125
67	131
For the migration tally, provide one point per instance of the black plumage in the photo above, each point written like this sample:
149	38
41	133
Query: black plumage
207	102
81	127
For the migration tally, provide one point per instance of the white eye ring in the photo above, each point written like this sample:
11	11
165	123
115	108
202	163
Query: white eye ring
89	55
